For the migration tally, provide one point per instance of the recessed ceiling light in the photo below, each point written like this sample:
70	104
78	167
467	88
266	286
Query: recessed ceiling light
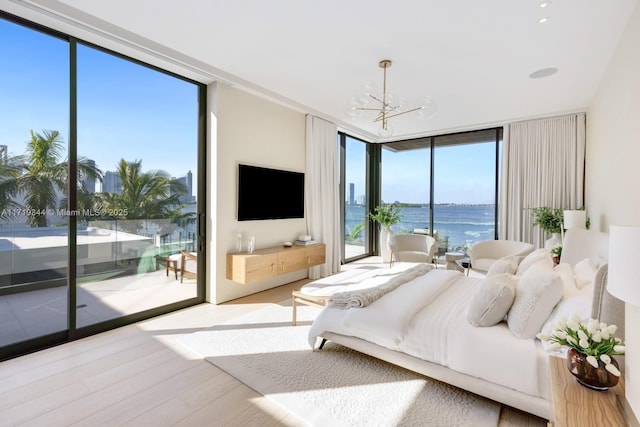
545	4
543	72
543	20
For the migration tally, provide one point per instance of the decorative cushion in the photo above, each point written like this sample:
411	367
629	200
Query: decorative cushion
537	293
532	258
491	303
565	272
508	264
584	272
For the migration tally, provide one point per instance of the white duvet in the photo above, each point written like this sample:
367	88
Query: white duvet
427	318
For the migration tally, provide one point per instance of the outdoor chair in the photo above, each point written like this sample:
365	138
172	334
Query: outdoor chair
172	263
188	265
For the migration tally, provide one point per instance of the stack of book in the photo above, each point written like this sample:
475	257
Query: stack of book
305	242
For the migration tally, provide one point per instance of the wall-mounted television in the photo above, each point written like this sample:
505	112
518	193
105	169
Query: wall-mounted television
265	193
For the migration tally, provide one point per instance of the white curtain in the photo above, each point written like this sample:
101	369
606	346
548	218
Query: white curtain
322	197
542	165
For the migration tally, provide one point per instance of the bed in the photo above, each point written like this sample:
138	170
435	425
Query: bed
423	324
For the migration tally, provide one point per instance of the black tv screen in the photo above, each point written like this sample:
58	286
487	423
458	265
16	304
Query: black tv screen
265	193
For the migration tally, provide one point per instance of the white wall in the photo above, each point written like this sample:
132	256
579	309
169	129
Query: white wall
250	130
612	169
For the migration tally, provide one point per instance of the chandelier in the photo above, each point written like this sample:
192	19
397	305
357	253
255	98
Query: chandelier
386	105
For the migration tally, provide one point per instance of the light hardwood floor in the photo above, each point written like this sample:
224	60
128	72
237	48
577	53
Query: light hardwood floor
139	375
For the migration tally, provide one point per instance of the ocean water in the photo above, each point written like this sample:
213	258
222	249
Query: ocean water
459	225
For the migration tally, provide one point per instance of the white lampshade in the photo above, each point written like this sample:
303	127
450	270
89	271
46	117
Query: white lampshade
575	219
624	252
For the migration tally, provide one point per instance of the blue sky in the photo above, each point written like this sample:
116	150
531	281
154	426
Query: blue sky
124	110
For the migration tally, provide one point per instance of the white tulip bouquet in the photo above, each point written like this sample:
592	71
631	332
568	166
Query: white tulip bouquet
592	338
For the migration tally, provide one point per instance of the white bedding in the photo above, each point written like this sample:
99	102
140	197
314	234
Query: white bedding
408	320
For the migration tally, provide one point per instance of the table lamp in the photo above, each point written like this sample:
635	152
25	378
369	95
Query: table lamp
575	219
624	253
623	283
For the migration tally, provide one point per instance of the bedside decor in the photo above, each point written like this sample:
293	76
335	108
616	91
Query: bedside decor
591	345
386	215
556	253
550	220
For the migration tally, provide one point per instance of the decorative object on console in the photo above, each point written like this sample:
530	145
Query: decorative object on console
252	244
385	105
305	242
239	242
386	215
591	346
623	256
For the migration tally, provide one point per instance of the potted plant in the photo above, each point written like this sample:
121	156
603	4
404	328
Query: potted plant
556	253
386	215
550	220
591	345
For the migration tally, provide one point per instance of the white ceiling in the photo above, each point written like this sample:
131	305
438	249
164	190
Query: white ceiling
473	57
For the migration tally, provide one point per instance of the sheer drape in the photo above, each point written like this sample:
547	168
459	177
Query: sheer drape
543	165
322	200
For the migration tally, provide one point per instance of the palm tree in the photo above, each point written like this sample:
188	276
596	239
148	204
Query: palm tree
145	195
44	173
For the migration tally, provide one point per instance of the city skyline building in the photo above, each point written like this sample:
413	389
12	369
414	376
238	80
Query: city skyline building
111	183
352	196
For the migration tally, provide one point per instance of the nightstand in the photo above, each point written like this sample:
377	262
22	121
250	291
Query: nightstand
577	406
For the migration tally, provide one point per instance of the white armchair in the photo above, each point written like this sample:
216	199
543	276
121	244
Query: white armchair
413	248
483	254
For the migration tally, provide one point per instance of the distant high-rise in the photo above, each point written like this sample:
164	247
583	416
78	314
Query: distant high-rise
189	184
352	197
90	183
111	183
3	152
187	181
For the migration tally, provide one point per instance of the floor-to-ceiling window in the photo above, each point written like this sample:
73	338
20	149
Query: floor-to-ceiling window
355	186
100	161
405	180
446	186
464	188
145	200
34	151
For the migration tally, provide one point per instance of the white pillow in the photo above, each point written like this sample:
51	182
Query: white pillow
537	293
508	264
577	304
568	281
532	258
584	272
491	303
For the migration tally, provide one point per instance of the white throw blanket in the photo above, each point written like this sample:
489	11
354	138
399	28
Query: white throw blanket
370	290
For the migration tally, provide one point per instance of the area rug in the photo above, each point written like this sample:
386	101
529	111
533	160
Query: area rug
335	386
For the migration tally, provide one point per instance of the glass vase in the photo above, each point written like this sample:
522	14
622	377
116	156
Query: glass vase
594	378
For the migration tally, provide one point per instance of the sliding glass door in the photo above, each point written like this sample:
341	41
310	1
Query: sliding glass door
100	161
34	153
137	133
